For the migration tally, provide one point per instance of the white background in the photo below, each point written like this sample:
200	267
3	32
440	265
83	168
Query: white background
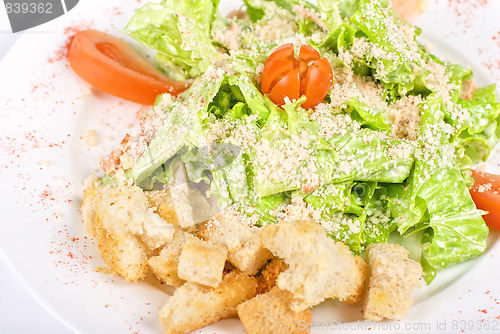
19	311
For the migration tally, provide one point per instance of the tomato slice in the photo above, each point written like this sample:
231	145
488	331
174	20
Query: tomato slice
273	73
288	86
317	87
110	64
283	52
486	194
308	53
324	65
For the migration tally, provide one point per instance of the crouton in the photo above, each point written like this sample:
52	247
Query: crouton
125	226
250	257
236	231
331	270
202	262
270	313
365	272
393	279
125	210
90	197
193	306
267	278
164	266
124	253
162	201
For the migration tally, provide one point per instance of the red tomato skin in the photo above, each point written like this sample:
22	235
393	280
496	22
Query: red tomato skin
284	52
486	194
288	86
324	65
273	73
318	86
110	64
308	53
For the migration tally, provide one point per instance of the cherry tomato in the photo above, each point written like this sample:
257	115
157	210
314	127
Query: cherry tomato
285	76
110	64
486	194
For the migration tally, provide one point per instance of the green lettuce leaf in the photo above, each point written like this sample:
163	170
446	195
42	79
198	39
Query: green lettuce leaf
363	156
182	126
255	13
437	198
369	117
330	13
485	94
264	205
179	31
379	224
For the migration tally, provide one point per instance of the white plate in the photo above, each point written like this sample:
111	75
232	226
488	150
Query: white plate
43	161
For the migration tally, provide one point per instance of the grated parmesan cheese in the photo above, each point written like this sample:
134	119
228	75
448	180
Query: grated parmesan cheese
405	116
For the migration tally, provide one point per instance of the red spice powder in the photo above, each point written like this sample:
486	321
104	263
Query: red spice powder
69	32
47	195
27	142
458	5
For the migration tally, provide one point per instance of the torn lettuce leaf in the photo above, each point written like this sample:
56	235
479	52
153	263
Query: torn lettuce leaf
436	198
182	126
477	122
368	117
330	14
485	94
180	32
379	224
364	156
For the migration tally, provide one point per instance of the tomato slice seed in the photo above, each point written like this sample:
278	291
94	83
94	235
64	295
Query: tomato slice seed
304	80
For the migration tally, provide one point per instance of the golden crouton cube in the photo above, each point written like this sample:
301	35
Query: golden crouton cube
193	306
330	271
363	267
270	313
202	262
268	276
238	233
125	254
250	257
393	279
164	266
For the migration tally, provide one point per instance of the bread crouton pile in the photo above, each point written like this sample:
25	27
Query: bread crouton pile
227	266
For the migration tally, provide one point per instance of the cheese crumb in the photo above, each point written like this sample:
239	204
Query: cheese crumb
91	139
